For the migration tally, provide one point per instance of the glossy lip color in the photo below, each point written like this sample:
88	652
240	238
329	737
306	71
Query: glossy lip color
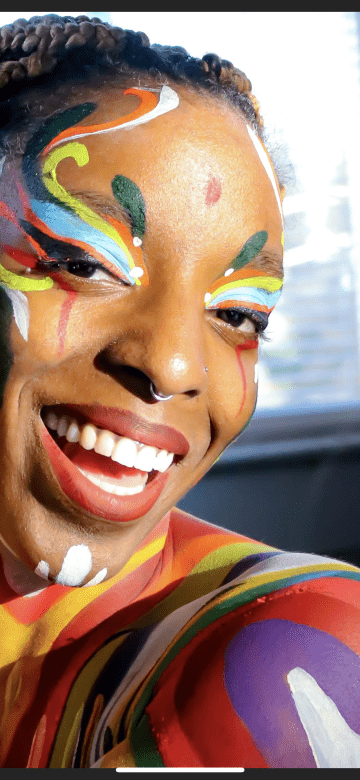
118	509
125	423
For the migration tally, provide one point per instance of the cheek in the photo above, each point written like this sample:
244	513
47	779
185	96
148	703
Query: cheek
234	391
6	355
247	355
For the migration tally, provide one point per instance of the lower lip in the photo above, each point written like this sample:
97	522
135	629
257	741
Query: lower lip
118	509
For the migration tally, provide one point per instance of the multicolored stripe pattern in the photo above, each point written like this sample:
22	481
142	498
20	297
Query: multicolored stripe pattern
149	664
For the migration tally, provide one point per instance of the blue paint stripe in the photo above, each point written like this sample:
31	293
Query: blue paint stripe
247	294
68	226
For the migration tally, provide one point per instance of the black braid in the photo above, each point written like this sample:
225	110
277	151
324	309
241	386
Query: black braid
48	52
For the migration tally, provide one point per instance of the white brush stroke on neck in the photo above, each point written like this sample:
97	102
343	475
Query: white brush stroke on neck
76	566
2	162
333	743
42	570
20	307
98	578
266	163
168	101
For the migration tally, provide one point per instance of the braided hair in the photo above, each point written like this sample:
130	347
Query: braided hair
48	51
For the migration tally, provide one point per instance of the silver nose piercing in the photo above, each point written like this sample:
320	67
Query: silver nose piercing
158	396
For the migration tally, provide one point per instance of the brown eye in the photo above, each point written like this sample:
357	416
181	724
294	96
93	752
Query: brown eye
86	270
237	318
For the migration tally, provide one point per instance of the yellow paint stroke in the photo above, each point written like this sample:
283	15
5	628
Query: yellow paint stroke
80	154
15	282
269	283
282	238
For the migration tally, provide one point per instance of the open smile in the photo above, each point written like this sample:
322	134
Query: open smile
111	463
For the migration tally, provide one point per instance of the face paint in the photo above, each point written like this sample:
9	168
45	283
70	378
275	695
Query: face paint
130	197
213	191
248	289
60	215
267	165
149	109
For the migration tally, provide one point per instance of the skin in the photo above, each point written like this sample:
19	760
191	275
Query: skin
206	193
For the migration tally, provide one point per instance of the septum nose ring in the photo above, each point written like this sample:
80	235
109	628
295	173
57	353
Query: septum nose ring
158	396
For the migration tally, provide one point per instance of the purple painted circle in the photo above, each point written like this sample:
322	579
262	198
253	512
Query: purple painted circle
257	662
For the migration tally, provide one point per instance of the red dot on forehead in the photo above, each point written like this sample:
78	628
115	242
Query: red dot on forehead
213	191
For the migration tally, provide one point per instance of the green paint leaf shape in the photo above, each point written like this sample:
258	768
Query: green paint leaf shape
251	248
130	197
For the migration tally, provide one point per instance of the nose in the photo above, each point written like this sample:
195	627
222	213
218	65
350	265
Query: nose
161	350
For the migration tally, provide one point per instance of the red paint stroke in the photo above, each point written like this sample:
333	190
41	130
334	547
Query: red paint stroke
250	344
213	191
66	307
24	258
243	377
6	212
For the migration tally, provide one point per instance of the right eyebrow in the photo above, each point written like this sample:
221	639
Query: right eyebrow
103	204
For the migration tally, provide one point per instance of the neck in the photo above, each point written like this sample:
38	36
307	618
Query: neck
18	576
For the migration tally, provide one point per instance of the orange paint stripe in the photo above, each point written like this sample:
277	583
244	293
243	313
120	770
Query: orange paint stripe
148	102
247	304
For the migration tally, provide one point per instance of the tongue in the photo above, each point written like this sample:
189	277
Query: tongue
89	460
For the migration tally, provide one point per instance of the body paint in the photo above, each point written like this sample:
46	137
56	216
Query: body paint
267	165
51	201
130	197
249	344
64	319
213	191
148	109
244	287
75	567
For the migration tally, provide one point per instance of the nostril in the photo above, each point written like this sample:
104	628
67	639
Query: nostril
131	378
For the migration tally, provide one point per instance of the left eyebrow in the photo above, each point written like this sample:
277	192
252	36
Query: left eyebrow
270	262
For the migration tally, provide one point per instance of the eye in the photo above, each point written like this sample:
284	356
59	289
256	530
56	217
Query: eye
237	319
86	270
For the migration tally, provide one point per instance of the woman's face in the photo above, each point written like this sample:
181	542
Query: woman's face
141	242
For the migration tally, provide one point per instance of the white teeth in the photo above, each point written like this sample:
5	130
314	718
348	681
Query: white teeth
73	432
62	426
51	421
105	442
120	449
110	487
88	436
163	460
145	459
125	452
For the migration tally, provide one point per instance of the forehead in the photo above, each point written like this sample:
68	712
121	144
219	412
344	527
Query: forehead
195	163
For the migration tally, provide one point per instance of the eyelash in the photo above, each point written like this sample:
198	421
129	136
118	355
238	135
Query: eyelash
81	264
259	326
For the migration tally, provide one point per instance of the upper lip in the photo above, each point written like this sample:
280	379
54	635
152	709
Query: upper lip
126	423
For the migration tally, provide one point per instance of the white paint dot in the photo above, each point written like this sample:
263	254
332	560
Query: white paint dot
76	566
137	241
42	570
256	373
99	577
229	271
207	297
136	272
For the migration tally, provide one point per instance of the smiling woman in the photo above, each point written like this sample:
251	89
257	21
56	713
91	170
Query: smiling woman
141	257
